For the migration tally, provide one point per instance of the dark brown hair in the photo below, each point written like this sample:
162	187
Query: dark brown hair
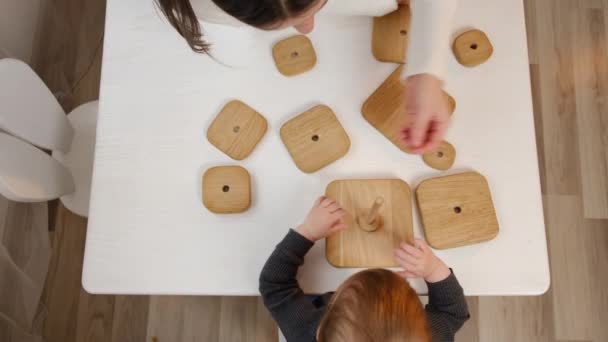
374	305
257	13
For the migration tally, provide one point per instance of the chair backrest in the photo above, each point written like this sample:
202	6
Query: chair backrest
27	174
29	110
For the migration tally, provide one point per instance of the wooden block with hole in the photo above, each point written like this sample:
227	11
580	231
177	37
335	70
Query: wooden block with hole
237	130
456	210
379	219
442	158
390	36
315	139
227	189
294	55
472	48
385	109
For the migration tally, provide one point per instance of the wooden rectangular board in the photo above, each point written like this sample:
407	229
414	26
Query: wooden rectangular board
385	108
355	247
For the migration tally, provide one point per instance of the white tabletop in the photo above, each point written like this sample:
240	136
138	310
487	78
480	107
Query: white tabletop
149	232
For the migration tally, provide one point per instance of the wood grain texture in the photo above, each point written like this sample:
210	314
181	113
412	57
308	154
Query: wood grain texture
442	158
315	139
130	318
456	210
472	48
470	330
294	55
356	247
508	319
237	130
591	80
181	319
390	36
385	109
95	318
227	189
557	96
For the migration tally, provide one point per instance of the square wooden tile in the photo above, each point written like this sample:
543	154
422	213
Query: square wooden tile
472	48
294	55
227	189
356	247
237	130
385	108
315	139
390	36
456	210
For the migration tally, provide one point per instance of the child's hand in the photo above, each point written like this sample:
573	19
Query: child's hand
428	111
420	262
322	220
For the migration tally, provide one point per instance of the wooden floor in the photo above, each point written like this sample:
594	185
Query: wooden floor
568	43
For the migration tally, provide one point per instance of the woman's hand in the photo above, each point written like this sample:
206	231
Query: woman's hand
427	109
420	262
322	220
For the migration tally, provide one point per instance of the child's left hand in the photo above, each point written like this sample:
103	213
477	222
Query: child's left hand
323	220
421	262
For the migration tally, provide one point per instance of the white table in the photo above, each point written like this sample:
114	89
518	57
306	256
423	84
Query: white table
148	230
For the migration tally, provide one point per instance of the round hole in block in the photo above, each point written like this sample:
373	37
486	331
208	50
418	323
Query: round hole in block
295	54
315	138
473	46
440	154
226	188
403	32
236	129
457	210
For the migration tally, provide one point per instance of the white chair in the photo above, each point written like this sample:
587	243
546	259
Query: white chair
30	114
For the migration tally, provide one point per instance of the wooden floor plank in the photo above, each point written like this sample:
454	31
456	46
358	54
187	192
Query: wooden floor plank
570	262
556	71
598	242
130	318
63	284
184	319
591	80
266	329
95	318
508	319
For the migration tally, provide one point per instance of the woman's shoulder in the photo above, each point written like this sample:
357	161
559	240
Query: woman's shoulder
207	10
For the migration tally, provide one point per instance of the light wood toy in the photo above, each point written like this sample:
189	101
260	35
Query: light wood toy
237	130
227	189
472	48
379	219
442	158
390	36
315	139
294	55
457	210
385	109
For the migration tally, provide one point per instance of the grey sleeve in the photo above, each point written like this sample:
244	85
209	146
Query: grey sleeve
447	309
295	315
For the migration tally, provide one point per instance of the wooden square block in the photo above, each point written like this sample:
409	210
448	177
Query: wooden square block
315	139
457	210
237	130
472	48
294	55
390	36
385	108
357	247
227	189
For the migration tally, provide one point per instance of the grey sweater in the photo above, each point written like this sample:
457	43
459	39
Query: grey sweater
299	315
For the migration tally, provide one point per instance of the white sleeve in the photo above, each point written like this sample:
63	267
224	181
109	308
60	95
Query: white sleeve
374	8
430	37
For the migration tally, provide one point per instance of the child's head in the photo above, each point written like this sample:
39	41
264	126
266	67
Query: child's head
264	14
374	305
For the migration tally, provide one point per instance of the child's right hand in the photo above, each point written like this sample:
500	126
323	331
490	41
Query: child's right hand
323	220
420	262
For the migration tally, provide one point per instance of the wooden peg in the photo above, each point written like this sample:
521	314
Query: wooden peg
370	220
